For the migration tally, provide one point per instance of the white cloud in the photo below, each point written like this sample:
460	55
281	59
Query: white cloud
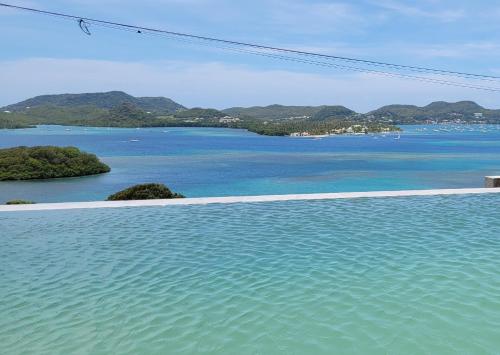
324	17
481	49
444	15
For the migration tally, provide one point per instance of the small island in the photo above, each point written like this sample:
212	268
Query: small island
20	202
145	192
47	162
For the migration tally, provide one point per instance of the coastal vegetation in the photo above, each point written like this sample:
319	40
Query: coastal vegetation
118	109
20	202
47	162
326	127
9	122
145	192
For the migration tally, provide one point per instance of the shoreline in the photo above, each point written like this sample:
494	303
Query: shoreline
243	199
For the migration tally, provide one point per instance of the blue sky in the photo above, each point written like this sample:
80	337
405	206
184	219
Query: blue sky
41	55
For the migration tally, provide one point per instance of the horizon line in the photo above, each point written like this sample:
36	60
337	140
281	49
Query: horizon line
243	199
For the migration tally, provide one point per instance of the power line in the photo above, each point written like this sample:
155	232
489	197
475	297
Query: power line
258	46
263	50
319	63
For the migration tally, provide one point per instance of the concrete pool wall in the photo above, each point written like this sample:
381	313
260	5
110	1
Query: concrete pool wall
243	199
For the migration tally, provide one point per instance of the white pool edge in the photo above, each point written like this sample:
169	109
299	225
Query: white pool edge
242	199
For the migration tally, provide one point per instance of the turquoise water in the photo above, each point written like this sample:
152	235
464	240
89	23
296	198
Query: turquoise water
365	276
225	162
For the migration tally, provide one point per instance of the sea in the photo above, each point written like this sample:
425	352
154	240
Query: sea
201	162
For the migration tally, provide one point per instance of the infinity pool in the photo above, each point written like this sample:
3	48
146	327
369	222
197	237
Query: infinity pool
367	276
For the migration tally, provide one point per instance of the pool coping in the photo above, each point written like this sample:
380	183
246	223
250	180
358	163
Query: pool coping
242	199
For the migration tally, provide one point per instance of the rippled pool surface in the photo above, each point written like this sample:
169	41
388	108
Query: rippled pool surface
366	276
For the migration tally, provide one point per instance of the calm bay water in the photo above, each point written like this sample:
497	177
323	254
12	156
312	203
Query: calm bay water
367	276
222	162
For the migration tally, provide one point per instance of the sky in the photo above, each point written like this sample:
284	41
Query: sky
45	55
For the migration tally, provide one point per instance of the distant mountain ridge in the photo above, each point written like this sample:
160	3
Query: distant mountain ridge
104	100
273	111
436	111
119	109
399	114
100	102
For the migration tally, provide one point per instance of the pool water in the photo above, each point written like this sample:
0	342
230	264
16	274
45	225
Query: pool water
363	276
227	162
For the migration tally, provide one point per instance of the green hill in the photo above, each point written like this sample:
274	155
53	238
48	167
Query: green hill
124	115
113	109
10	121
105	100
274	112
466	111
200	113
333	112
50	114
